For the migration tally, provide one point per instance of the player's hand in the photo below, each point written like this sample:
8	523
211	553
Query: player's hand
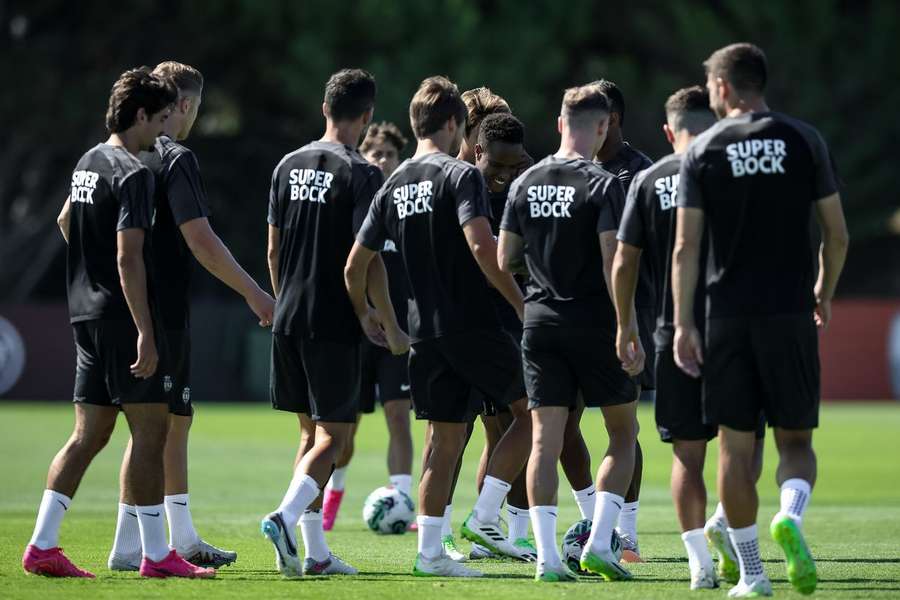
147	358
263	306
398	341
688	350
822	313
371	326
630	350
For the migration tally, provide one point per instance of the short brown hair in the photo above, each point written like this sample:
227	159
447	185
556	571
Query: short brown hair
742	65
579	101
688	109
481	102
134	89
383	132
435	102
349	94
186	78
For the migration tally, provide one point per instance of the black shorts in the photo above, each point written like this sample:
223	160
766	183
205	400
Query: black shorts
646	319
560	361
445	371
679	402
177	373
489	408
104	353
386	372
764	364
319	378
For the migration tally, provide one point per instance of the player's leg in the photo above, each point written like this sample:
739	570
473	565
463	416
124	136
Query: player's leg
689	495
576	463
400	446
627	525
517	516
334	490
492	435
126	554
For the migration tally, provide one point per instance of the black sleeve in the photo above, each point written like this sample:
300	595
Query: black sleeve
136	201
510	220
824	177
274	212
631	230
690	194
471	196
611	201
370	181
372	233
186	193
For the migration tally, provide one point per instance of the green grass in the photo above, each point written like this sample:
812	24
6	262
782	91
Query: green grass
241	458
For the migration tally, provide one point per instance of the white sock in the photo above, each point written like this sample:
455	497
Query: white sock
50	515
606	513
338	479
430	536
493	492
153	531
300	494
699	558
628	519
447	525
543	520
746	542
719	515
314	543
795	495
128	532
402	483
182	535
586	500
517	520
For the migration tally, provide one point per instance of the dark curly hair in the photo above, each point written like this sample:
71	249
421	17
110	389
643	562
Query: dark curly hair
134	89
349	93
501	127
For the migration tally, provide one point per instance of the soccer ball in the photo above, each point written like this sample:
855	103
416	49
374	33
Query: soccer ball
575	539
388	510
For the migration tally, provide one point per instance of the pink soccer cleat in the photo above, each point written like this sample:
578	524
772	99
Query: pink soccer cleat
330	507
174	566
51	562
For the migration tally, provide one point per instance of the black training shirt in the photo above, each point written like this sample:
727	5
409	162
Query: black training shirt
559	206
625	165
509	320
319	197
649	224
111	191
756	177
180	197
422	208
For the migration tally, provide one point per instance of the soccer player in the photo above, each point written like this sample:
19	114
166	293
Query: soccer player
181	229
435	209
625	161
560	223
105	221
380	369
320	195
750	182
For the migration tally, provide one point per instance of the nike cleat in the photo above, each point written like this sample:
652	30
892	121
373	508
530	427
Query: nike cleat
330	566
758	588
727	564
286	560
442	566
174	566
207	555
330	506
630	551
801	568
479	552
121	562
604	564
51	563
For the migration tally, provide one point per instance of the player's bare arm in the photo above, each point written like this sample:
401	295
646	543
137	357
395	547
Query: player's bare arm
380	297
634	354
272	257
484	249
211	252
65	215
832	254
511	253
625	268
685	271
356	273
133	278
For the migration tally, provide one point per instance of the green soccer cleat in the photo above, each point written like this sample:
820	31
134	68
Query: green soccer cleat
717	537
527	548
560	574
801	568
605	565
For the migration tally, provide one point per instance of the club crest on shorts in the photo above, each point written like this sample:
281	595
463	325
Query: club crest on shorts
167	383
186	395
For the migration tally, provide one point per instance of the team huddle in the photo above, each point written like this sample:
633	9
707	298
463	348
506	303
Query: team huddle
466	281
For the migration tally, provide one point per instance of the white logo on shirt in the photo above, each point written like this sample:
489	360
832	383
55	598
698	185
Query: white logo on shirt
413	198
756	156
309	184
550	200
83	185
666	190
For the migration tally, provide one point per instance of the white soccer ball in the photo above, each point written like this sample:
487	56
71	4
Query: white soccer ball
388	510
575	539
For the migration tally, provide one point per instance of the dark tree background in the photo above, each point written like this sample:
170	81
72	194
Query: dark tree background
833	63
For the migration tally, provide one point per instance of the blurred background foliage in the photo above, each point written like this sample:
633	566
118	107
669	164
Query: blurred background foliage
833	63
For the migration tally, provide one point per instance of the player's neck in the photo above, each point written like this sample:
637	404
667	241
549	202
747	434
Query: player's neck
748	105
345	133
124	140
612	145
681	143
429	145
575	145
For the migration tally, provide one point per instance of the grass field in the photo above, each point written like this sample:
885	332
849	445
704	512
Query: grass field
241	458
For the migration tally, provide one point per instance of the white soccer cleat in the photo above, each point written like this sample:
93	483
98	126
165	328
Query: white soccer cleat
631	553
442	566
452	550
757	588
120	562
330	566
704	580
479	552
286	560
717	537
492	537
206	555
